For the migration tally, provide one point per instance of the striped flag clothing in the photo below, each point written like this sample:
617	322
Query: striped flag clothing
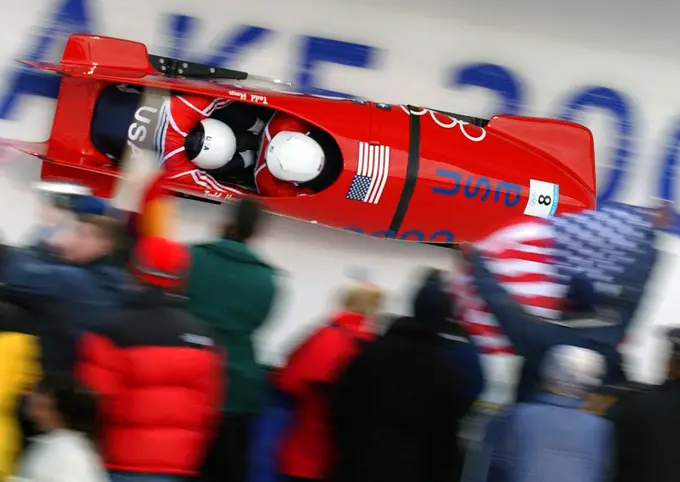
534	259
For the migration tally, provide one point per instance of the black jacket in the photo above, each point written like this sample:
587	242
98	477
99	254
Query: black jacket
49	321
648	436
609	400
396	410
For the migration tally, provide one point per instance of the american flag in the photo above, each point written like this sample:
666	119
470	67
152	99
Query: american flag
373	169
534	260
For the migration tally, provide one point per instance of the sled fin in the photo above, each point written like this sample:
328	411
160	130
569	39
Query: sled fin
571	144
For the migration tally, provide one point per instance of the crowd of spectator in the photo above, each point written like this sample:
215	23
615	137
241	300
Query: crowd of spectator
130	357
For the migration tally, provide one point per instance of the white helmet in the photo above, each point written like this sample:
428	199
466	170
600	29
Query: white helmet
294	157
218	147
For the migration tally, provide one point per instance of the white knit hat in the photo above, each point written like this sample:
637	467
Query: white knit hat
572	371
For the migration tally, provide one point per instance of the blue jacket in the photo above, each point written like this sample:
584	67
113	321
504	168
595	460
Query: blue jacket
549	440
75	298
467	358
267	430
531	336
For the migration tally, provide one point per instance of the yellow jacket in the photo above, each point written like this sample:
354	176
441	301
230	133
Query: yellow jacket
19	371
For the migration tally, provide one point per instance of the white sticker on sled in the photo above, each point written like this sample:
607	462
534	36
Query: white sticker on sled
543	199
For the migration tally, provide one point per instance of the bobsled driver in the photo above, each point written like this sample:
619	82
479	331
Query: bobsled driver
288	158
197	137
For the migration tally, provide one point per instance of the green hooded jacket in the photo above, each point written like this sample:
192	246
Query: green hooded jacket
232	291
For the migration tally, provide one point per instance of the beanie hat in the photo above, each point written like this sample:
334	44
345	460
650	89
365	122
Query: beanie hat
432	303
90	205
581	293
673	337
572	371
160	262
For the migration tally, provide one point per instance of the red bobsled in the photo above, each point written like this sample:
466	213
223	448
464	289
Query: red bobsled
395	171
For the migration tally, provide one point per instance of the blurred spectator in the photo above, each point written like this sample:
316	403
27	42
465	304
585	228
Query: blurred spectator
648	428
397	408
19	370
306	450
609	399
465	353
90	205
595	322
66	413
271	423
79	290
158	372
551	439
232	291
144	205
58	201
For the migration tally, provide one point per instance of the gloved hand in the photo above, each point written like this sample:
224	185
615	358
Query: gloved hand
89	205
663	216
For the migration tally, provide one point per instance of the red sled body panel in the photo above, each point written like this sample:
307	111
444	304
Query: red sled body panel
435	177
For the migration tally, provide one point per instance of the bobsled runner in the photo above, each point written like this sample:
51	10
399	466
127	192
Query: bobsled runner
393	171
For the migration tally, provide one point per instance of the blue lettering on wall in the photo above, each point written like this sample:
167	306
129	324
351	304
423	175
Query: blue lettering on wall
441	236
621	109
475	185
317	50
179	30
70	16
73	16
669	172
182	28
495	78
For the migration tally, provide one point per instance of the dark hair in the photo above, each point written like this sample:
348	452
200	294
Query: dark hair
76	404
5	252
432	302
246	220
433	275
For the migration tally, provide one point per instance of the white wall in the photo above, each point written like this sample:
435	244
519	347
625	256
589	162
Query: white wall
551	50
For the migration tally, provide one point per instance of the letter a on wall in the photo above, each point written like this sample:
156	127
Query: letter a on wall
47	44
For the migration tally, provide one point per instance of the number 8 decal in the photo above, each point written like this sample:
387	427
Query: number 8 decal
543	199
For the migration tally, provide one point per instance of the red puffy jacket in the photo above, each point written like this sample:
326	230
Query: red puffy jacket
160	379
306	450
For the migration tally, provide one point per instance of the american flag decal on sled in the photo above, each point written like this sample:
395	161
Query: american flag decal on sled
373	169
